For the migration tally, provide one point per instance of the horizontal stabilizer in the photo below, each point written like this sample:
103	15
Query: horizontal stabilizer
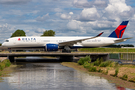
123	39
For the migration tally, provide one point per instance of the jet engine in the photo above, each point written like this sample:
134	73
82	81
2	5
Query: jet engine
51	47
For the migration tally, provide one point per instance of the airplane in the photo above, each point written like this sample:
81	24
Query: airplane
67	43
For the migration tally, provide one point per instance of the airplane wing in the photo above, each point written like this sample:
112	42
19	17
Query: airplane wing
70	43
122	39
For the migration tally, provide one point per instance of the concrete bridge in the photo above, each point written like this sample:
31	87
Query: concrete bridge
63	56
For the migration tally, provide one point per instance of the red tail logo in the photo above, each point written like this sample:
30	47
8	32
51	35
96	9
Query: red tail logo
119	31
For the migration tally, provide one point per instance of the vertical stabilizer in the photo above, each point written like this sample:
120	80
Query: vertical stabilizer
118	33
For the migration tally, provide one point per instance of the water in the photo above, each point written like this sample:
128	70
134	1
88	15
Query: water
52	76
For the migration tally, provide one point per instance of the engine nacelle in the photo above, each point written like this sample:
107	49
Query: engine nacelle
51	47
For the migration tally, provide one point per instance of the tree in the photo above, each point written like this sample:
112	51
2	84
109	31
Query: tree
18	33
48	33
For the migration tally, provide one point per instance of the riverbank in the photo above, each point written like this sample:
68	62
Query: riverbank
7	71
5	67
112	79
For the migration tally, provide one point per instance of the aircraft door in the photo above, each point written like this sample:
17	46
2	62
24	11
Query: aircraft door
38	41
14	42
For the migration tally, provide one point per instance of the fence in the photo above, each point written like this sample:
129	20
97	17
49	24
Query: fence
123	56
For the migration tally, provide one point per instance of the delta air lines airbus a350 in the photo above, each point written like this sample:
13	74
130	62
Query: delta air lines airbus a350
67	43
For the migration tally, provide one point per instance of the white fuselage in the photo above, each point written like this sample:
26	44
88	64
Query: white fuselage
42	41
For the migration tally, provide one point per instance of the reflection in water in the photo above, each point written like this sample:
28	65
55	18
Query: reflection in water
53	76
37	59
120	88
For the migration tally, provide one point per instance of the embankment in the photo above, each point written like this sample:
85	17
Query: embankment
5	67
117	80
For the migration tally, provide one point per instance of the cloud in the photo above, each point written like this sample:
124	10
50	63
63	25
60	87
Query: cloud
118	9
19	12
33	33
117	6
58	10
6	28
86	4
43	18
64	16
73	25
100	3
71	13
12	2
40	30
81	3
89	14
102	25
6	31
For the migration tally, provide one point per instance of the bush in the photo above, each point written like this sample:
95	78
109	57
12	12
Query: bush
101	59
124	77
107	71
116	64
132	80
7	63
86	65
99	70
105	64
97	62
92	69
2	66
0	73
83	60
116	72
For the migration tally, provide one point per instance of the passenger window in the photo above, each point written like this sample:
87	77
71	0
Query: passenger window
7	40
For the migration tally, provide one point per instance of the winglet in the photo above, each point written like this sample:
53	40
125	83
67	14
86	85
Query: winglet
99	34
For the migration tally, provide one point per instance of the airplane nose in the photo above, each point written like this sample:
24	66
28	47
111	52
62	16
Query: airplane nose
3	44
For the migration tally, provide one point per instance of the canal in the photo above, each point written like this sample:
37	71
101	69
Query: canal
52	76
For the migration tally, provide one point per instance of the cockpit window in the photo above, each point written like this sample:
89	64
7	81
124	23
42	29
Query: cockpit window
7	40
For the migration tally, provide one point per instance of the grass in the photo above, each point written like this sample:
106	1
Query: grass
3	65
111	50
93	66
116	72
102	72
124	77
132	74
0	73
105	64
124	72
128	66
132	80
92	69
114	53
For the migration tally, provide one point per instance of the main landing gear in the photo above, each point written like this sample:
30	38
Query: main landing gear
66	49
